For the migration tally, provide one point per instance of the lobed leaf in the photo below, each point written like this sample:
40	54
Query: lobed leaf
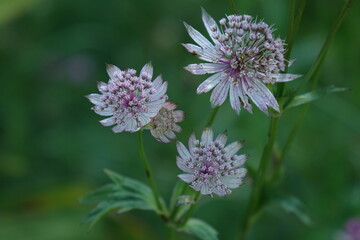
124	195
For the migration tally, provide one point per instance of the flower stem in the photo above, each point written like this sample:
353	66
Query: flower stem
171	233
313	77
149	175
254	202
188	214
233	7
212	116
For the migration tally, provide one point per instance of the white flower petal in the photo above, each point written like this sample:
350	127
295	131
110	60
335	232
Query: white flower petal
170	135
209	22
157	82
200	39
200	53
169	106
205	190
231	181
221	139
131	125
205	68
118	128
207	136
147	70
240	88
95	98
178	115
266	95
219	94
234	100
181	164
232	149
188	178
160	92
104	112
285	77
183	152
112	71
192	143
163	139
108	121
210	83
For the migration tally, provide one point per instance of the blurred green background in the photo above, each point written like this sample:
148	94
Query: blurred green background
53	150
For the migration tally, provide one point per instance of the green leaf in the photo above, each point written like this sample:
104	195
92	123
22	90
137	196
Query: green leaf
123	195
200	229
292	205
295	206
314	95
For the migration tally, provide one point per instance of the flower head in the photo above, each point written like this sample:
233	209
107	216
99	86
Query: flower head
209	166
130	100
243	56
163	125
352	230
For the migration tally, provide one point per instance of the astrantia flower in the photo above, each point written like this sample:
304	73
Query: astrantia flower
352	230
163	125
209	166
131	101
243	57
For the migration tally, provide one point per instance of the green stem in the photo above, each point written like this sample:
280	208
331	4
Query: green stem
313	73
171	233
254	202
212	116
313	77
233	7
295	17
148	173
188	214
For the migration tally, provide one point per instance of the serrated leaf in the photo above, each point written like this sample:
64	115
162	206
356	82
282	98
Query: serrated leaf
314	95
200	229
128	183
124	195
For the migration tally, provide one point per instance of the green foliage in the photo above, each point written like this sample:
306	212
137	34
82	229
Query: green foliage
200	229
124	195
292	205
314	95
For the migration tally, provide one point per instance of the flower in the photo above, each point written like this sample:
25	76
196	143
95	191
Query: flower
131	101
243	57
209	166
352	230
163	125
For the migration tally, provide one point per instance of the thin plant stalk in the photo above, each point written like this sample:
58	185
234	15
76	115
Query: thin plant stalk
313	77
149	175
188	214
254	203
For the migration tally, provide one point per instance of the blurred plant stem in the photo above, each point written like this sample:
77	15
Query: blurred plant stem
212	116
149	175
313	78
233	6
254	203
